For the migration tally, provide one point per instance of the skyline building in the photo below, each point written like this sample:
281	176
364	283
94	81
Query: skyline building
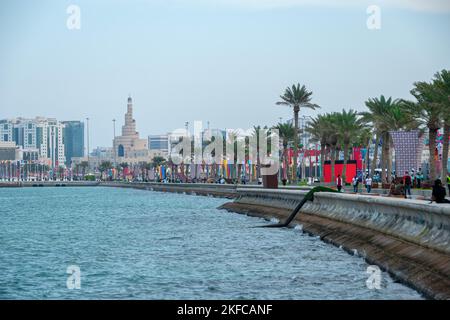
42	134
129	145
73	140
159	143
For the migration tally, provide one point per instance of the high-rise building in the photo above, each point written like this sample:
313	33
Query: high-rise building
43	134
6	131
73	140
158	143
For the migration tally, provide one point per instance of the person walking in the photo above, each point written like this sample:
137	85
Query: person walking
339	183
407	181
368	184
355	182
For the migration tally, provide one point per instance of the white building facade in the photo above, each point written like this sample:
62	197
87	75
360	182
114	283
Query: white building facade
43	134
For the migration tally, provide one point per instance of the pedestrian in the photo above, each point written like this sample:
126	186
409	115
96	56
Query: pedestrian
339	183
368	184
355	182
419	177
448	182
407	182
439	192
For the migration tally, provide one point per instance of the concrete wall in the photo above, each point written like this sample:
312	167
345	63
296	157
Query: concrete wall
49	184
206	189
410	239
413	220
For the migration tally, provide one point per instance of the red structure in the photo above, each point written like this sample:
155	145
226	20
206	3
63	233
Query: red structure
339	165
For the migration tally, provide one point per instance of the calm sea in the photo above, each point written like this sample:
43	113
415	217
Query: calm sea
134	244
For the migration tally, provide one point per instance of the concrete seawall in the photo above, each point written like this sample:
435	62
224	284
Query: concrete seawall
204	189
410	239
49	184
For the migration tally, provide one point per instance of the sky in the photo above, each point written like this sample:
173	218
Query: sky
223	61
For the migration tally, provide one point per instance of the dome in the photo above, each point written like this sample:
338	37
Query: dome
129	99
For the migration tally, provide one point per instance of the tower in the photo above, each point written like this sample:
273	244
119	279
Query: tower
128	145
129	128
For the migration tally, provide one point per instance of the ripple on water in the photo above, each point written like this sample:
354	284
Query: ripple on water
133	244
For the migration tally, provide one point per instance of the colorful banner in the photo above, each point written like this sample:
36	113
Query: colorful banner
408	150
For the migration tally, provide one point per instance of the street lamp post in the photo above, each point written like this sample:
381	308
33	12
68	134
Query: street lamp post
114	145
87	131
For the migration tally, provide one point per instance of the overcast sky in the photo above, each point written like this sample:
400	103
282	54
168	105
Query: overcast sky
221	61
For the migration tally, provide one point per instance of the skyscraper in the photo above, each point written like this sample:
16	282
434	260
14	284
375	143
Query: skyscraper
159	143
73	140
41	134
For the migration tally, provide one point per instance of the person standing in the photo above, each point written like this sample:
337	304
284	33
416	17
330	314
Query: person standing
438	193
339	183
448	182
355	182
419	177
368	184
407	182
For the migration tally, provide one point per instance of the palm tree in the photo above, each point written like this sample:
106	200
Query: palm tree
427	111
297	97
255	136
147	166
320	130
348	127
332	142
157	161
442	83
384	115
104	166
84	165
287	133
235	143
364	139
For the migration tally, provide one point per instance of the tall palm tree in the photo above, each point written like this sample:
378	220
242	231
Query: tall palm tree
287	133
364	139
428	111
327	132
320	130
348	126
157	161
255	135
84	165
442	83
332	141
104	166
384	115
297	97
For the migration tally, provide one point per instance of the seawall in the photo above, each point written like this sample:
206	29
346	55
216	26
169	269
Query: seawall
410	239
49	184
203	189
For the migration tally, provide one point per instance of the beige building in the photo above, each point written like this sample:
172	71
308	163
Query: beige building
129	147
129	144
